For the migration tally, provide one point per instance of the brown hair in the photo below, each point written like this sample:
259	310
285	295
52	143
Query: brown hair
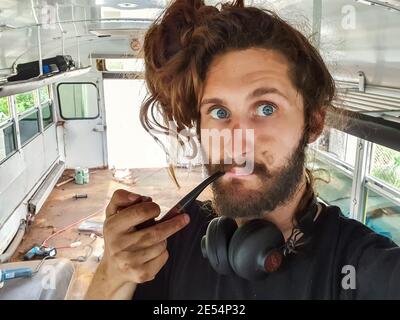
181	44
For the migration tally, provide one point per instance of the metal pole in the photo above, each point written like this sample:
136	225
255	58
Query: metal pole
61	30
38	38
77	37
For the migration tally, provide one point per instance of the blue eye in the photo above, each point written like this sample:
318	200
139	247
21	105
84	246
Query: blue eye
265	110
219	113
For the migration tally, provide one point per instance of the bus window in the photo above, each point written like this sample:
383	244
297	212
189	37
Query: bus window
46	106
7	130
25	101
44	95
5	112
332	161
385	165
78	101
134	65
28	116
383	197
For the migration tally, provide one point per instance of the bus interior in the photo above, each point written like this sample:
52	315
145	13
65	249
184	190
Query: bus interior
70	134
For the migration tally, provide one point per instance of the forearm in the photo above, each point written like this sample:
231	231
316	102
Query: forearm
106	286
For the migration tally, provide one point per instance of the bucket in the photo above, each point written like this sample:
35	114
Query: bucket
81	175
85	173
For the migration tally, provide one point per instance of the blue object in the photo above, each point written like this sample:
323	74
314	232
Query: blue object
9	274
32	253
46	68
40	252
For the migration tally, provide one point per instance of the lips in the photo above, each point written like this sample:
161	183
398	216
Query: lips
238	172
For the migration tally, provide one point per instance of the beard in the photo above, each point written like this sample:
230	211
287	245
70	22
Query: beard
232	199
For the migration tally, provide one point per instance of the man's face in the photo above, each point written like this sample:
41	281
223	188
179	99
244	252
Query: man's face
251	89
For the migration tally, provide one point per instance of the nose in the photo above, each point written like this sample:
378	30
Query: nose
241	144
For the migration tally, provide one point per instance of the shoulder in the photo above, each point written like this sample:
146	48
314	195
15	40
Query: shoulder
352	233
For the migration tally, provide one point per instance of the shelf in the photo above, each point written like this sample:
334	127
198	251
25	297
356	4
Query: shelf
11	88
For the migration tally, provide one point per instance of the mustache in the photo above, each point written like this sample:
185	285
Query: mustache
258	168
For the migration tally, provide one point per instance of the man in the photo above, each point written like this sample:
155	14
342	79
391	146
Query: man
240	68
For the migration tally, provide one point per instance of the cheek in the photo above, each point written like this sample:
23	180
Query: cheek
274	145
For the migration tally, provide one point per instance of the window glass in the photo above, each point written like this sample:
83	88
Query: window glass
47	115
44	95
385	165
5	112
25	101
78	100
125	65
29	126
383	216
338	144
7	141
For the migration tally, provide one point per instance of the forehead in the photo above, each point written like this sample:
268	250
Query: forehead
241	68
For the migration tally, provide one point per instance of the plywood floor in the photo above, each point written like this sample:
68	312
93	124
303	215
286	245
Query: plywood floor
62	209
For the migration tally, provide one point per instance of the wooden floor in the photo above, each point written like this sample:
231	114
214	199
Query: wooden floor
62	209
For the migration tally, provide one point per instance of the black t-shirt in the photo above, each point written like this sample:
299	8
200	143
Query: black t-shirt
318	271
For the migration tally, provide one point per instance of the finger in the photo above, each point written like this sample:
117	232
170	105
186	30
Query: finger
150	269
144	255
159	232
129	217
144	272
121	198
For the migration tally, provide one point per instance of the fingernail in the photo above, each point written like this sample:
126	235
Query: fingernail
147	199
186	218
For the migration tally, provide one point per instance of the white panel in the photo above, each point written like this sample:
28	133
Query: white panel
21	173
50	145
7	232
12	184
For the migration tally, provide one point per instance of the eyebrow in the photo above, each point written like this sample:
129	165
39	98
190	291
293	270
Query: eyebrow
254	94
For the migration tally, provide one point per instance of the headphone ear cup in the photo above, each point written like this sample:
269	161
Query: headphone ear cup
252	245
215	244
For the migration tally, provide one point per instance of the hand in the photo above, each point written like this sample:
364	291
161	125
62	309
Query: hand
136	255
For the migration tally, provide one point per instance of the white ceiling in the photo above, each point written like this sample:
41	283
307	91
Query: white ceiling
373	46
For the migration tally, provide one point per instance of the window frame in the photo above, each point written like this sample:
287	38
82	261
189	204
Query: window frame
3	125
60	106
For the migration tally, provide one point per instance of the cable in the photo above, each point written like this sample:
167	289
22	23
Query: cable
40	264
44	243
86	256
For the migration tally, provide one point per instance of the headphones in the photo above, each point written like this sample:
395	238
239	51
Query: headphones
253	250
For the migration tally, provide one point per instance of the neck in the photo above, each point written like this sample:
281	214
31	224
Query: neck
282	216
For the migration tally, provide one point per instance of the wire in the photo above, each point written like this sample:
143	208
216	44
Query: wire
86	256
40	264
44	243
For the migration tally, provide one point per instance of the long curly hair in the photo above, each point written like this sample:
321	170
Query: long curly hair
181	44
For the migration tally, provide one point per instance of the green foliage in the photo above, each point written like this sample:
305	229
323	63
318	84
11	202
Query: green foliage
4	110
386	166
24	101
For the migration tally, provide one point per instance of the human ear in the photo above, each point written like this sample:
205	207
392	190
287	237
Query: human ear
316	125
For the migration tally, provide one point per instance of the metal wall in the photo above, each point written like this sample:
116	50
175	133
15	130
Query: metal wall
19	175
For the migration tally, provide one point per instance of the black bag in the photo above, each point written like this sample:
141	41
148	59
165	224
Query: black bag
31	69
